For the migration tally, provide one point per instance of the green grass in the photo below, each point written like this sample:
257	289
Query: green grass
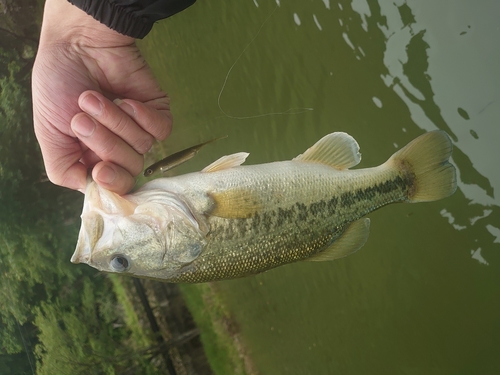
217	330
141	339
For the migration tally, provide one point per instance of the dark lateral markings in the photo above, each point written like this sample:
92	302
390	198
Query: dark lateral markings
270	220
385	188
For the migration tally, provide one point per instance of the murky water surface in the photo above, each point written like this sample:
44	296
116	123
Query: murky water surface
423	295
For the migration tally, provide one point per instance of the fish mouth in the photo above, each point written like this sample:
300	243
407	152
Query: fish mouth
90	232
92	222
82	251
81	254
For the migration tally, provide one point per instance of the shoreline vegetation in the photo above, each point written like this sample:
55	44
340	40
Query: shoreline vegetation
219	331
56	317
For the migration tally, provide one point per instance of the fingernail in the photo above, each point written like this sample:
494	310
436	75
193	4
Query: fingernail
84	126
92	105
106	175
125	107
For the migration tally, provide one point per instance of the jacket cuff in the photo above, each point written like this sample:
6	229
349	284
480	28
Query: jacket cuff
136	23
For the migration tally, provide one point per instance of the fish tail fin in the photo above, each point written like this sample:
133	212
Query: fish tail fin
426	159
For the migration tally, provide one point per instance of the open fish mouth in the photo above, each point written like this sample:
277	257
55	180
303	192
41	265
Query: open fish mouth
82	252
90	233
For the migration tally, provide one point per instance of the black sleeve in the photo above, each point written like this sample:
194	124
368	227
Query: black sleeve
134	18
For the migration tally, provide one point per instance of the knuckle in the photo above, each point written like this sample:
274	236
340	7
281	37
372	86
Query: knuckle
162	103
117	126
163	131
114	120
55	178
108	148
157	122
60	179
56	172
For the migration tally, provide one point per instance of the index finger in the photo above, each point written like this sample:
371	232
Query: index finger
153	116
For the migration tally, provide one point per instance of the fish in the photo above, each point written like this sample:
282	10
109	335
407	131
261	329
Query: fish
176	159
231	220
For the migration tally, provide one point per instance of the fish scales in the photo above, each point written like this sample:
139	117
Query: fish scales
238	247
231	221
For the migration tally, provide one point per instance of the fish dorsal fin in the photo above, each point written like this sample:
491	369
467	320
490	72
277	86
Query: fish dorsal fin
226	162
338	150
350	241
235	203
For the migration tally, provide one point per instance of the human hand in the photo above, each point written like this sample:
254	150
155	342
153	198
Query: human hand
80	68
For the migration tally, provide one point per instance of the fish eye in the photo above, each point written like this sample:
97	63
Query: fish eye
148	172
120	263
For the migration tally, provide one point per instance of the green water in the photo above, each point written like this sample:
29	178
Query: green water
423	295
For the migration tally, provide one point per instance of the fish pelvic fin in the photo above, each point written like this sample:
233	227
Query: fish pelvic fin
426	158
353	239
338	150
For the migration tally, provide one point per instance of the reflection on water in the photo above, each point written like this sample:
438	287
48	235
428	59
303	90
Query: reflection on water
422	296
439	62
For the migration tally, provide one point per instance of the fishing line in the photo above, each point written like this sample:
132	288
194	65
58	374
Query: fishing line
290	111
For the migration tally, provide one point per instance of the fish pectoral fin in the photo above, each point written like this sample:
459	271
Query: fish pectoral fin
338	150
350	241
226	162
235	204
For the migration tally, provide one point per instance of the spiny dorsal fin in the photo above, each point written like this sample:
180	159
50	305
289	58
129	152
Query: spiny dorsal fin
226	162
338	150
352	240
235	204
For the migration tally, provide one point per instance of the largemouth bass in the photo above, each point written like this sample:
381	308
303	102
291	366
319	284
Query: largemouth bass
230	220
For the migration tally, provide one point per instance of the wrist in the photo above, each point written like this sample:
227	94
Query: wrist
66	23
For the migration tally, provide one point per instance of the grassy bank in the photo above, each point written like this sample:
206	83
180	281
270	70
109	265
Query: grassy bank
129	311
219	332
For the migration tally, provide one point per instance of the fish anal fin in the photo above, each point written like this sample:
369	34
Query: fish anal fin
235	204
353	239
226	162
338	150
